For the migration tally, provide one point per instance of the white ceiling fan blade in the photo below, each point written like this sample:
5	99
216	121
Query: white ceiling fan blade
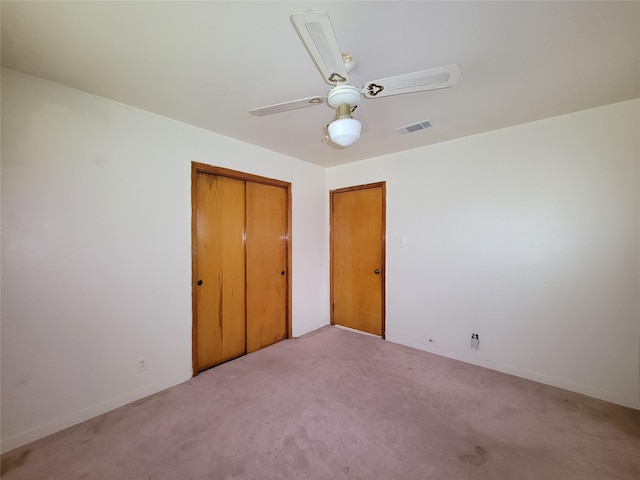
286	106
434	78
316	32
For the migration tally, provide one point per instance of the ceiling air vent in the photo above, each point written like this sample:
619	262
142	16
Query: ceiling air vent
416	127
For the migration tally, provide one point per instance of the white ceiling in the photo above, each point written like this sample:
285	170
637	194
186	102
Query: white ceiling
209	63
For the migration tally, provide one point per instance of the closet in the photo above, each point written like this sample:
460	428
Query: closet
241	263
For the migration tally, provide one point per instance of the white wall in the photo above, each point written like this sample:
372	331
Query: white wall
528	236
96	250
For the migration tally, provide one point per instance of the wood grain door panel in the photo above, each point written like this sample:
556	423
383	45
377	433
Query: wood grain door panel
266	265
220	269
357	258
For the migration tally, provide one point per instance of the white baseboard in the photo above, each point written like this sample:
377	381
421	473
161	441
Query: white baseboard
58	424
522	373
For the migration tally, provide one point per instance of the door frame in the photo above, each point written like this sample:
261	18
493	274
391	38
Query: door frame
382	185
196	168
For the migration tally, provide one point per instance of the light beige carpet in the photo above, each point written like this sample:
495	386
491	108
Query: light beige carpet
335	404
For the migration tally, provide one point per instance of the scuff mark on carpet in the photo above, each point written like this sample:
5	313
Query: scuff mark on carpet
476	458
14	461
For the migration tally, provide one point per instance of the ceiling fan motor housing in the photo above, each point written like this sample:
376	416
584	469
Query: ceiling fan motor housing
344	94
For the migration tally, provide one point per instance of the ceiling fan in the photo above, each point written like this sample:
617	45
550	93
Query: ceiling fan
317	35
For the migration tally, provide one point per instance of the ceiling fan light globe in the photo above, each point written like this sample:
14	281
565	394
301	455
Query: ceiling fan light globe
344	131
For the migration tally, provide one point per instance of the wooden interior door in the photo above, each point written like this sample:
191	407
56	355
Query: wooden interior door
266	265
220	269
241	259
358	257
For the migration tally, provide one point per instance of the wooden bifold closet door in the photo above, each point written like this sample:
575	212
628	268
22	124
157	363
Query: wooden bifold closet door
241	257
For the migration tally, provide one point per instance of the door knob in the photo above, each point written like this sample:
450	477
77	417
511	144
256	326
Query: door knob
377	271
199	282
282	273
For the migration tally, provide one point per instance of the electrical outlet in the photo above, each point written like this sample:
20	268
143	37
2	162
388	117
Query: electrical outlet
141	364
475	341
